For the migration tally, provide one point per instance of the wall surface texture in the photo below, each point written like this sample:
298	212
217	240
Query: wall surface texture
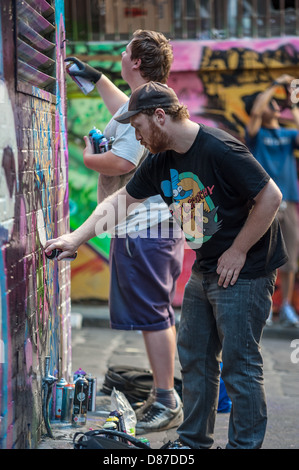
213	78
34	292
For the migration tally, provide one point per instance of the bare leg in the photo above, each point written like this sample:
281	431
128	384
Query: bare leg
161	346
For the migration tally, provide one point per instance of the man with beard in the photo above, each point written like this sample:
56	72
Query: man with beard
144	260
229	294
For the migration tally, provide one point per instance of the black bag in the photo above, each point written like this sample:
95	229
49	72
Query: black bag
136	383
107	439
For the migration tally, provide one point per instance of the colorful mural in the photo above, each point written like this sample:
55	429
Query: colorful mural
34	292
213	78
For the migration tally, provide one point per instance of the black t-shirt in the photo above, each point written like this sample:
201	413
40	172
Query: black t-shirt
210	189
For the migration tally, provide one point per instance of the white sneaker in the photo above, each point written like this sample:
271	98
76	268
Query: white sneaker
142	409
288	316
158	417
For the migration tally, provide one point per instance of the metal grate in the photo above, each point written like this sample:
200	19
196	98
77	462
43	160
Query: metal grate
100	20
35	41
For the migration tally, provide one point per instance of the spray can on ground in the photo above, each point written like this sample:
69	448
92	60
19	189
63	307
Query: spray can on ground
95	138
80	402
92	392
121	422
78	373
67	402
111	426
106	145
59	394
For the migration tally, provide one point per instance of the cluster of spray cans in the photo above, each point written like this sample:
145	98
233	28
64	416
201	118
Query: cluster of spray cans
74	400
99	142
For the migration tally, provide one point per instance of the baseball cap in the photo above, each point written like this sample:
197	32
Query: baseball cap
149	95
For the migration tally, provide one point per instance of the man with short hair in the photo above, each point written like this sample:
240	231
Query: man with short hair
225	203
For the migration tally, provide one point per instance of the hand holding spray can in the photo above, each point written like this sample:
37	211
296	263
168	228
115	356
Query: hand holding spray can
85	85
55	253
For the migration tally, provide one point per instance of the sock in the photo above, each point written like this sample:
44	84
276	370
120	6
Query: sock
166	397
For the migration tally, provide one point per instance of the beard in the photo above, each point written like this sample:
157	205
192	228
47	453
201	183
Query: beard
159	141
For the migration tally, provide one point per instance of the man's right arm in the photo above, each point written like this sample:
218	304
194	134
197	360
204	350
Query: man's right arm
262	101
104	218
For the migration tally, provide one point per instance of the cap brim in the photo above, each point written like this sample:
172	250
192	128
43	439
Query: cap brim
125	117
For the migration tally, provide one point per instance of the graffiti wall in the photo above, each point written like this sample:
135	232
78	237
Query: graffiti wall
213	78
34	292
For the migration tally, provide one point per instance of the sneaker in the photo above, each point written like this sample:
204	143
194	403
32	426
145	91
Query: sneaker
288	316
142	409
158	417
177	444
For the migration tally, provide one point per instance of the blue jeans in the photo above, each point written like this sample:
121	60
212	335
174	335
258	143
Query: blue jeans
224	324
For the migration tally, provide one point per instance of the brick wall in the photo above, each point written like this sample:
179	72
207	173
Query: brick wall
34	292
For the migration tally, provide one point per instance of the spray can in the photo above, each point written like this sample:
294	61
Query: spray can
111	426
54	253
92	392
85	85
79	373
67	402
59	393
80	402
144	440
95	138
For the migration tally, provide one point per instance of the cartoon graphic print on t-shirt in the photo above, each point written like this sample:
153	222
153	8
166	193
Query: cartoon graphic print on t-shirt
192	206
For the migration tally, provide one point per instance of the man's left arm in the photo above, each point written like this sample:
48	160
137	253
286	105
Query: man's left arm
259	220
